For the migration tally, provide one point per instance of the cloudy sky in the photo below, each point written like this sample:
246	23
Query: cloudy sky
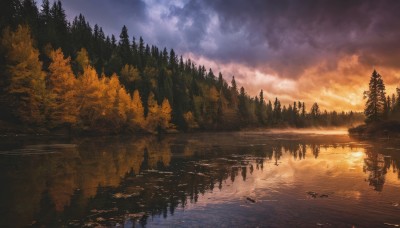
309	50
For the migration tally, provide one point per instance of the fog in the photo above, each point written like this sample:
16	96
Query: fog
314	131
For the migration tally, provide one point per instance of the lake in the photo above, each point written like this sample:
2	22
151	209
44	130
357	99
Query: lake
246	179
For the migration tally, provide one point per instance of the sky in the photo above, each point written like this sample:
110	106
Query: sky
311	50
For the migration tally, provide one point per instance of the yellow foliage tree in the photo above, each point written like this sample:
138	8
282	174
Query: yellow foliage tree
165	114
82	59
108	118
89	97
110	90
190	120
61	89
124	105
129	75
26	84
137	118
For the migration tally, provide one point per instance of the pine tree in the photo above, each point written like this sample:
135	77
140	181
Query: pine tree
152	118
376	99
25	78
277	111
242	104
125	51
387	107
393	105
315	112
398	99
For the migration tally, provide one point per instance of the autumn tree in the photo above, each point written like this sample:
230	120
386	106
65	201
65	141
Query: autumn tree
124	106
137	120
82	60
110	117
89	97
376	99
165	115
61	84
129	75
190	120
24	79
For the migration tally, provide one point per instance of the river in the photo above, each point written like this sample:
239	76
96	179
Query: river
246	179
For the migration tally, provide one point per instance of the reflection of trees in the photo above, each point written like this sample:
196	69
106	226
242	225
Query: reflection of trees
121	178
379	161
315	150
375	165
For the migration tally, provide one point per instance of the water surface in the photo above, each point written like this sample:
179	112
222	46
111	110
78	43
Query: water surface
227	179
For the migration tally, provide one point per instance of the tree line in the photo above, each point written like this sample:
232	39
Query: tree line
379	106
57	74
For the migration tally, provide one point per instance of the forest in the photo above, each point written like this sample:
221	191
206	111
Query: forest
57	74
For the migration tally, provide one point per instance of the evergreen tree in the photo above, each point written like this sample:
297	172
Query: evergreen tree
261	109
398	99
59	26
242	104
315	112
376	99
152	117
234	94
387	107
277	111
9	13
125	51
393	105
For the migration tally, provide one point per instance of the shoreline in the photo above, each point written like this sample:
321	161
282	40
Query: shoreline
387	129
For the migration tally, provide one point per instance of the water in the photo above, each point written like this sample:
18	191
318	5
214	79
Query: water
244	179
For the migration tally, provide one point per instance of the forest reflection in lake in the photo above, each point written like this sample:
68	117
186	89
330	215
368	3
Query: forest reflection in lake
246	178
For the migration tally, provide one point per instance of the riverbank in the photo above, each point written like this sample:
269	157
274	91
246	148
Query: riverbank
379	129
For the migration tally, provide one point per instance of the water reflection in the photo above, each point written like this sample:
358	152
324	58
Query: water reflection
109	181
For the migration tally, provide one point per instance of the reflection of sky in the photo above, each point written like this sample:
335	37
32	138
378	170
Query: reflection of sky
337	172
281	195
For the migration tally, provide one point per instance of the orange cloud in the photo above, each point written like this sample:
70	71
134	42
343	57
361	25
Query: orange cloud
334	88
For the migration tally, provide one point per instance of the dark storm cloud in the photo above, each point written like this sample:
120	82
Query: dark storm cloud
297	34
282	37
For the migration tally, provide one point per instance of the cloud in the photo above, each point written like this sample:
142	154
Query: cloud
309	49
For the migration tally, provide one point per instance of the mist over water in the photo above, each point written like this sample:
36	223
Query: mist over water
311	131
